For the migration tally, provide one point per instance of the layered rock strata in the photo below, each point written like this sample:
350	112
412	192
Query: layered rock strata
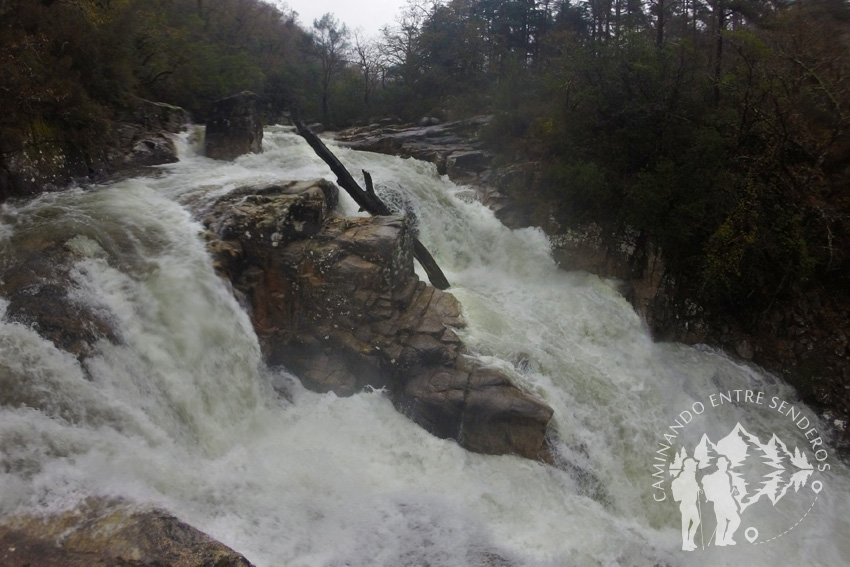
458	151
336	300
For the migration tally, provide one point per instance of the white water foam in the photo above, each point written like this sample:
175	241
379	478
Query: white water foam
182	413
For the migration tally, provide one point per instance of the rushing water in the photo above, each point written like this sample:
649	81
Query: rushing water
183	414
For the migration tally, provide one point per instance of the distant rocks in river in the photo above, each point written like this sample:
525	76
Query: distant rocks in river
336	300
234	127
429	141
456	148
144	131
101	532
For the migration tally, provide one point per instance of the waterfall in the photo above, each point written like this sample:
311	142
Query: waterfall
181	413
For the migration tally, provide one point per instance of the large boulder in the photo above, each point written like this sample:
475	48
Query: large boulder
101	533
479	407
337	301
234	127
143	134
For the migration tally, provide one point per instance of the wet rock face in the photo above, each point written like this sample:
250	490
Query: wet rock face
36	284
804	338
336	301
452	146
143	134
234	127
101	533
480	408
43	156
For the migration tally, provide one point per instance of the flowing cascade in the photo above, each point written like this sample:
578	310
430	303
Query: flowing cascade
167	402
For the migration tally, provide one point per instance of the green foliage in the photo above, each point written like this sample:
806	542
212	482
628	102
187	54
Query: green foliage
727	177
722	176
582	190
74	64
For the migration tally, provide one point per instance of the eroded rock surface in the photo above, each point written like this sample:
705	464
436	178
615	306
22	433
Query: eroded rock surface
336	300
101	533
44	156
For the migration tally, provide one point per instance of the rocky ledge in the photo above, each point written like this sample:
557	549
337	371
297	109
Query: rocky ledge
452	146
336	301
44	156
457	150
102	533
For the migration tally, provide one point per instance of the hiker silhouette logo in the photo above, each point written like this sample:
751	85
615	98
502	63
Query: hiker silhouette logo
767	486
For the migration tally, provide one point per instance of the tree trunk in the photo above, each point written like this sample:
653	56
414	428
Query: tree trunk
659	32
369	201
718	55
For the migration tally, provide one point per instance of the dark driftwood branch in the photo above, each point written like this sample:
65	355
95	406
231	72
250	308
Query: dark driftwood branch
370	188
369	201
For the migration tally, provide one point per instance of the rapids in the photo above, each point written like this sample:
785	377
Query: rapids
184	415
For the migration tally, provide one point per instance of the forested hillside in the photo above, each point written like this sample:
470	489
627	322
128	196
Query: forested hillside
718	129
74	62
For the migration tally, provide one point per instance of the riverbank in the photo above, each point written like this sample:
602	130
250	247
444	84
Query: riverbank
803	337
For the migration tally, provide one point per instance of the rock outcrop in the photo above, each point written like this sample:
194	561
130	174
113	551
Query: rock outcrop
336	300
450	144
805	339
457	150
43	156
234	128
142	134
110	534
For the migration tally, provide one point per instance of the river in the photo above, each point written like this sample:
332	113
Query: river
183	414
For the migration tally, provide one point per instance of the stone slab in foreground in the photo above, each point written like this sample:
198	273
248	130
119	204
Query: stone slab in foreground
109	534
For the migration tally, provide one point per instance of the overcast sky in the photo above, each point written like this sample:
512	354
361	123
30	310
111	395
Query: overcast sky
371	15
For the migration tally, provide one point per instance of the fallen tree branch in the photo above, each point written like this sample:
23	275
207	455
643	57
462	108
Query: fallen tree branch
370	188
369	201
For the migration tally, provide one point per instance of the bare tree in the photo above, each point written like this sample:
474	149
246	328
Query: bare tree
331	41
368	61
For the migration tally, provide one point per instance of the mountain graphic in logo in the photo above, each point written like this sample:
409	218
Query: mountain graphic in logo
756	469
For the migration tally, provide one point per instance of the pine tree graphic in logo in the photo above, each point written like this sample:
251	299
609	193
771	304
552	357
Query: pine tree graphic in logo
727	477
